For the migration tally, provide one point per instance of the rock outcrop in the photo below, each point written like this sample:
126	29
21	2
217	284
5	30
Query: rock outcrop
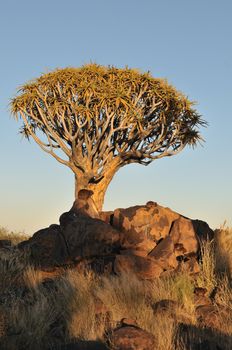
78	237
148	240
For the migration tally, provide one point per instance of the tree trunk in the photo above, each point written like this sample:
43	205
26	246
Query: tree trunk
89	197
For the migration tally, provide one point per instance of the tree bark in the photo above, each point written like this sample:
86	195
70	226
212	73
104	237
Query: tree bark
89	196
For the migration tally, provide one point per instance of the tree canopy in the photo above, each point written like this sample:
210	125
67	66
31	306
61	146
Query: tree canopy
103	118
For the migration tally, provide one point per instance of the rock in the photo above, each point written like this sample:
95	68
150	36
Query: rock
107	216
203	231
148	240
47	247
135	234
146	245
128	322
181	245
66	218
142	267
135	240
78	237
149	221
86	237
164	254
184	237
132	338
145	226
85	204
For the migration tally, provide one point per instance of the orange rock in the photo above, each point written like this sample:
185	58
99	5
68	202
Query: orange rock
151	221
164	254
184	236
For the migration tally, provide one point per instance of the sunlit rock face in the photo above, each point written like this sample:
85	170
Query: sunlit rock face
147	240
150	220
167	237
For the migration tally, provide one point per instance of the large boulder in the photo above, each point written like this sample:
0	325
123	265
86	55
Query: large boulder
78	237
47	247
150	221
166	236
160	233
87	237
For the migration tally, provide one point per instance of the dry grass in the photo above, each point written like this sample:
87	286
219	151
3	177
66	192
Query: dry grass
41	315
77	295
207	277
30	322
13	263
178	287
14	237
223	238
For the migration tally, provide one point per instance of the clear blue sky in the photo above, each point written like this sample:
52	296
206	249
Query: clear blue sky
186	41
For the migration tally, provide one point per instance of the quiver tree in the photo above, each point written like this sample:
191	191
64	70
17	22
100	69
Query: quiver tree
97	119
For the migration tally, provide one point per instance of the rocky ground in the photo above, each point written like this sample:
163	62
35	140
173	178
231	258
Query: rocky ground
127	280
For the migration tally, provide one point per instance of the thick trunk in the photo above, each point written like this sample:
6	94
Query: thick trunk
89	197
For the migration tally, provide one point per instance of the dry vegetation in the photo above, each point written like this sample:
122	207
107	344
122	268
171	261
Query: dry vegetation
42	314
14	237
